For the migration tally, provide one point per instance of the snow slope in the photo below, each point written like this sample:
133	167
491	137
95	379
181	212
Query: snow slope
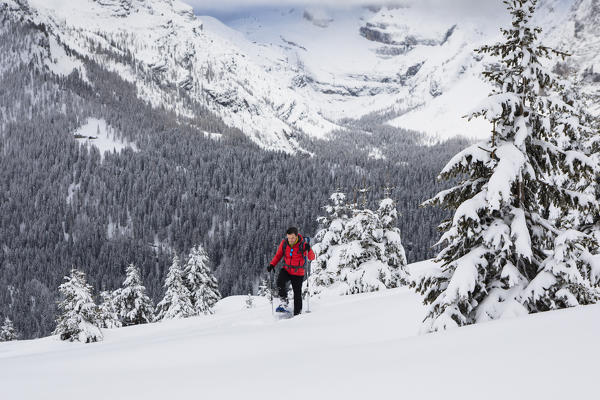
96	132
352	347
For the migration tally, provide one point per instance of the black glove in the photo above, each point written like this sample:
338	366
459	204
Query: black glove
306	247
270	268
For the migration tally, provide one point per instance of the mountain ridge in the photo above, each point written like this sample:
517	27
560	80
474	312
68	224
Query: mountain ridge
167	53
278	74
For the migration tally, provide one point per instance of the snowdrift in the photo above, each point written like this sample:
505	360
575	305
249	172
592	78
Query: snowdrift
351	347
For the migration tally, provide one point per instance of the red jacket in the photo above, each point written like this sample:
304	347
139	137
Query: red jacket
293	257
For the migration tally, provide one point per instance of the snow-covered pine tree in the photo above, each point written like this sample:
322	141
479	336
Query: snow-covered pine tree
328	242
570	276
7	331
109	314
361	266
592	224
132	303
201	282
79	318
177	302
501	230
393	251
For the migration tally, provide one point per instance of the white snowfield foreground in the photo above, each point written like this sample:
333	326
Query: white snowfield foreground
353	347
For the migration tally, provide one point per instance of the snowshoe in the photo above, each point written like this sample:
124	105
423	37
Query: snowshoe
282	308
282	311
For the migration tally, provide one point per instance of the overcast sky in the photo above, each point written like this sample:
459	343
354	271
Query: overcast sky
229	5
224	8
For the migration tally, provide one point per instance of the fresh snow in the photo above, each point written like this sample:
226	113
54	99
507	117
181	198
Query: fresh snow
351	347
510	165
60	63
213	135
376	154
99	134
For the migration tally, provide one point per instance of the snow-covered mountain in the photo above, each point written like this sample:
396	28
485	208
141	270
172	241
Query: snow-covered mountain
166	51
414	59
362	60
351	347
577	31
277	72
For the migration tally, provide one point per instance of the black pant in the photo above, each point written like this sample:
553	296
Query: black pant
282	287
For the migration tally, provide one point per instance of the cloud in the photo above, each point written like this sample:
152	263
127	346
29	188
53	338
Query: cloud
233	5
468	8
230	9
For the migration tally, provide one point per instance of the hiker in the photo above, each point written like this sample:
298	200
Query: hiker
292	249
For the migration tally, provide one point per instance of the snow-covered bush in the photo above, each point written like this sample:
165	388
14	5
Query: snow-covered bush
249	301
264	289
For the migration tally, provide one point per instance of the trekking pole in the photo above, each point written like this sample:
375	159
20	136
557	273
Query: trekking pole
271	292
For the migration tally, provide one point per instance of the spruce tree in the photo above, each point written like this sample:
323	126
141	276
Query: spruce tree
79	318
393	251
177	302
7	331
328	242
592	224
109	313
362	267
201	282
132	303
502	230
570	275
357	250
